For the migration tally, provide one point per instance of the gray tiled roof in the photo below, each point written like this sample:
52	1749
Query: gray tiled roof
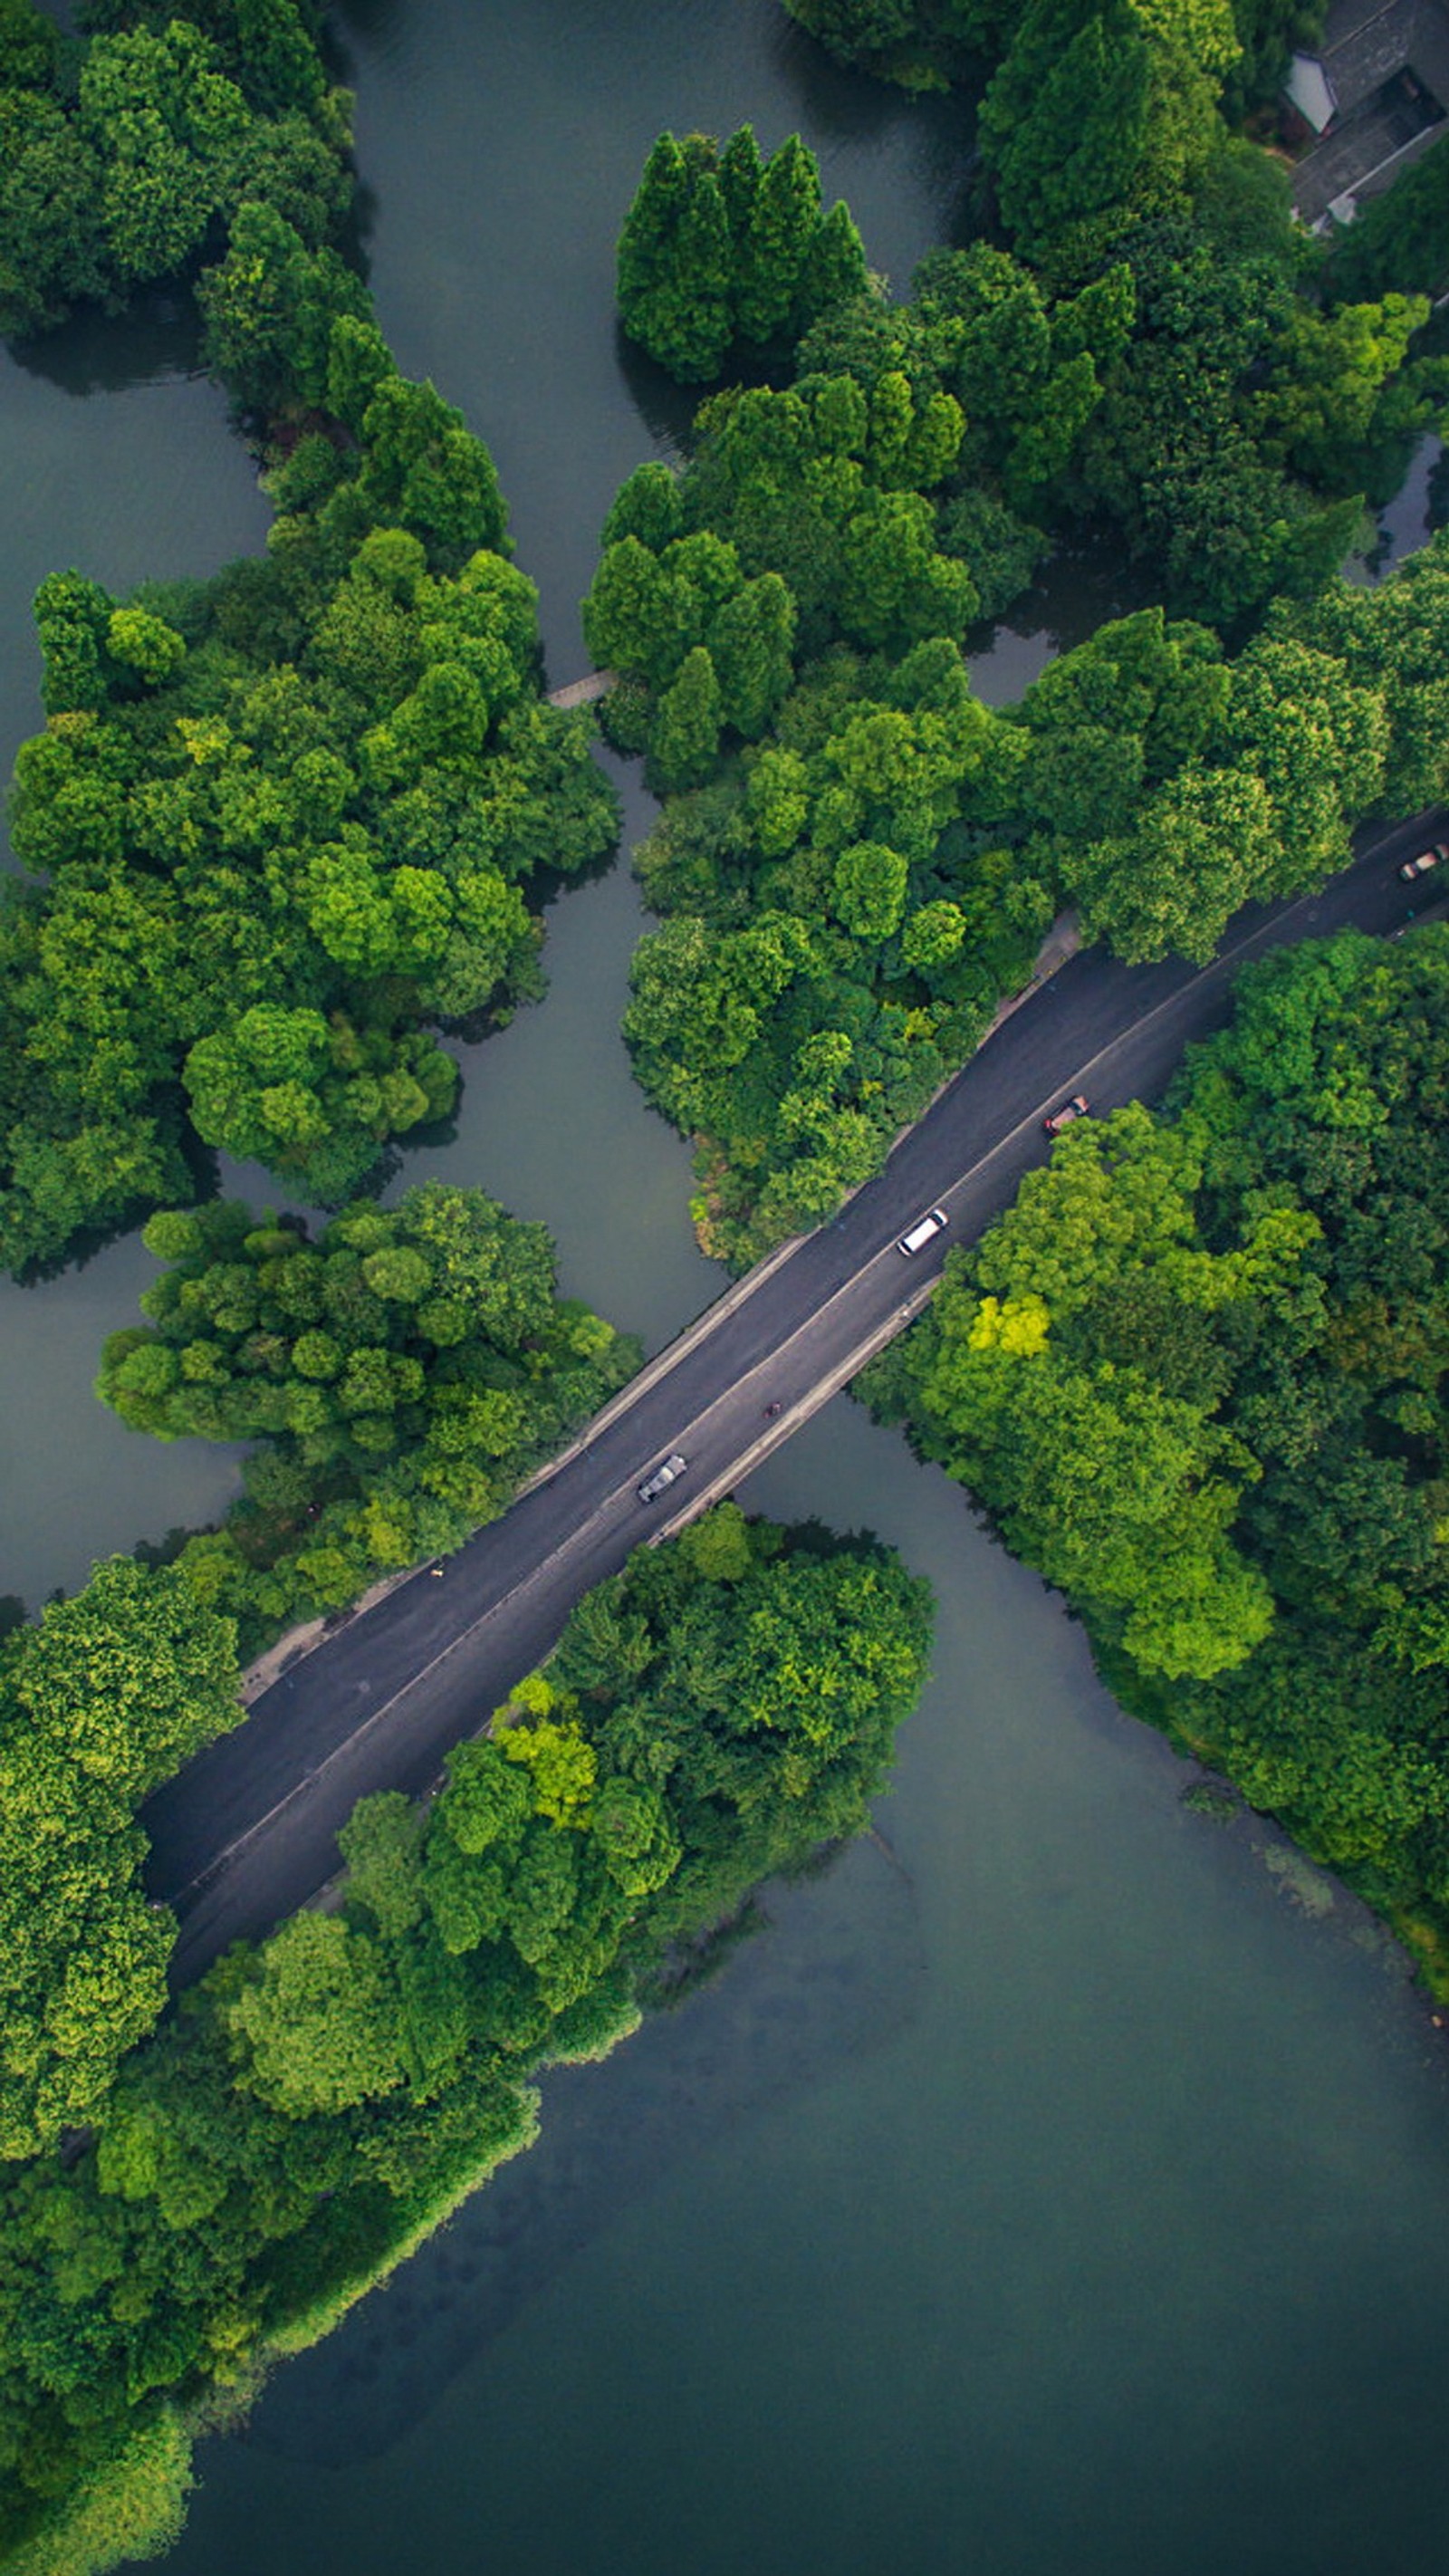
1364	47
1371	138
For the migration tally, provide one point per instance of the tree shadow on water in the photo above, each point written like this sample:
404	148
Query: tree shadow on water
154	341
666	409
838	108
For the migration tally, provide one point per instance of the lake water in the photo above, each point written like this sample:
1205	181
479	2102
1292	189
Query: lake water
1059	2186
1062	2189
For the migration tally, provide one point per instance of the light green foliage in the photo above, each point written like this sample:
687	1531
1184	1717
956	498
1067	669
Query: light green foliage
720	250
1179	784
715	1713
269	308
262	895
1119	1488
131	2507
319	2030
1338	386
1197	1373
286	819
405	1372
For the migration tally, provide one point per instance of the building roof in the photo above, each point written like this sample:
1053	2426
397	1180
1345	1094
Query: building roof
1311	91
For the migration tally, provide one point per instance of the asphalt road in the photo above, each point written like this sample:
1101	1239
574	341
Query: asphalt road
247	1832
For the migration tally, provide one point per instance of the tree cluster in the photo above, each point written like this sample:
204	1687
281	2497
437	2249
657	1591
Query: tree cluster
286	820
856	860
1199	1375
714	1714
134	156
848	899
1242	421
725	255
402	1375
923	44
283	819
99	1701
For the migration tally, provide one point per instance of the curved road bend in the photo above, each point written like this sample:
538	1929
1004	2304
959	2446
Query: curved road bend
247	1832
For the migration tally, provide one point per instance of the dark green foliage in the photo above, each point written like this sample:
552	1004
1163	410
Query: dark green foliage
715	1713
1400	239
167	131
104	1698
269	308
1000	551
1268	31
1199	1373
1065	123
722	253
1162	365
404	1373
862	859
916	42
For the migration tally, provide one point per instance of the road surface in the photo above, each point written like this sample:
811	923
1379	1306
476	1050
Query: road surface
247	1832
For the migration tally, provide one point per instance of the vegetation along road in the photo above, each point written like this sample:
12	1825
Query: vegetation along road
247	1832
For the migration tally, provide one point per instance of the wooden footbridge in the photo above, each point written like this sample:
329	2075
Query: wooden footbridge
582	693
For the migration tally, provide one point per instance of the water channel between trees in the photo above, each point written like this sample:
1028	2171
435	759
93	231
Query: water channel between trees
1060	2182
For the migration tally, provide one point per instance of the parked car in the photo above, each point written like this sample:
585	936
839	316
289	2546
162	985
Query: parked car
917	1236
1426	860
662	1478
1076	1107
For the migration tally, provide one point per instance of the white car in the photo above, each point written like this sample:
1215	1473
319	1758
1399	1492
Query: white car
1426	860
662	1478
917	1236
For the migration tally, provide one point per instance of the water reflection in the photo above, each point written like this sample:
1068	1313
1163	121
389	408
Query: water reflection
1076	590
665	408
1419	506
834	1973
1059	2191
156	340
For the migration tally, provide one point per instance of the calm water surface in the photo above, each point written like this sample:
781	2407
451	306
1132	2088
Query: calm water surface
1061	2182
117	461
1061	2189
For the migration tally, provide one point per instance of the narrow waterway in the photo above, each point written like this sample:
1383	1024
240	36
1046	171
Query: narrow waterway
119	462
1061	2182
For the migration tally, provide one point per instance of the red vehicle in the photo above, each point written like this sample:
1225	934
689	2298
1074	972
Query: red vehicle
1426	860
1070	1110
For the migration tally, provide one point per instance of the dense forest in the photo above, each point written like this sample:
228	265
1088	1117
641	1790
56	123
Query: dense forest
281	825
1197	1377
712	1715
856	859
400	1377
284	826
284	822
